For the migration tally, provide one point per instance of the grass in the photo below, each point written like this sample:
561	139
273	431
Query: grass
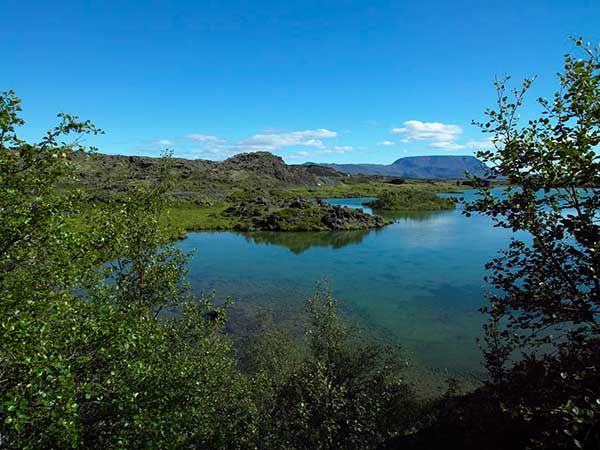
182	216
371	189
191	217
417	195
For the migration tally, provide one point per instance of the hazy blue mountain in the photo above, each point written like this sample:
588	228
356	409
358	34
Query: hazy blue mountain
440	167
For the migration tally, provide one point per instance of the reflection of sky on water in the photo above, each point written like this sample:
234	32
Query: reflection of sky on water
418	281
351	203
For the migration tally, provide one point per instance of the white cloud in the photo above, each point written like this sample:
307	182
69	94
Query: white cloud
275	141
313	143
446	145
196	144
299	155
386	143
211	150
415	130
341	149
204	138
336	150
480	145
162	142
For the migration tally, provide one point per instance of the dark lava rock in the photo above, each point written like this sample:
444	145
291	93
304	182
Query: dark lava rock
341	218
203	202
396	181
274	213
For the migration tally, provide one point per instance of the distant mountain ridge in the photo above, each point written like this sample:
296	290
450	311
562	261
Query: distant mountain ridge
434	167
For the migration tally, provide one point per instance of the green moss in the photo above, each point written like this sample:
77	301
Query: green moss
191	217
278	212
270	209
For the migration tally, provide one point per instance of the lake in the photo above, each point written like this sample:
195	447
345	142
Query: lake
418	281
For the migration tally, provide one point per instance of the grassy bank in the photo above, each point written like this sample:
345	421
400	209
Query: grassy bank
293	209
361	187
417	195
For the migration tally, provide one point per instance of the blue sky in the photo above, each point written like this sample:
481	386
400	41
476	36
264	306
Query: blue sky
328	81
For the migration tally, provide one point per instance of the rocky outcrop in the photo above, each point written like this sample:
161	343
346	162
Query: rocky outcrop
259	169
264	212
340	218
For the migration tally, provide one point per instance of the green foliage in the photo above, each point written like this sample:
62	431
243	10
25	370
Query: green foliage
546	301
342	391
93	368
147	269
32	213
91	356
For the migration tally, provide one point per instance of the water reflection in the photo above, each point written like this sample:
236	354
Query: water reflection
299	242
418	281
356	202
406	216
412	216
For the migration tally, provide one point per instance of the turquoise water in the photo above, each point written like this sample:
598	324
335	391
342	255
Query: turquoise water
418	281
351	203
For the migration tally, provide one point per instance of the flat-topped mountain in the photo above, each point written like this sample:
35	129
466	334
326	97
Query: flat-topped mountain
433	167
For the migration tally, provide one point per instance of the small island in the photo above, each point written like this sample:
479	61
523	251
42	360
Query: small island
277	213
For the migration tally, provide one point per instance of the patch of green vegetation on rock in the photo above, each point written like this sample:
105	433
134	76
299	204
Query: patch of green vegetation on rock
355	186
295	209
273	212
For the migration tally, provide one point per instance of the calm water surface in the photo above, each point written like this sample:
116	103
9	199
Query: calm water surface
419	281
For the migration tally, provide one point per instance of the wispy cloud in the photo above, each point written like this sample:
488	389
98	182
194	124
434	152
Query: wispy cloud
447	145
210	150
205	145
276	141
339	149
299	155
336	150
162	142
415	130
386	143
481	145
204	138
